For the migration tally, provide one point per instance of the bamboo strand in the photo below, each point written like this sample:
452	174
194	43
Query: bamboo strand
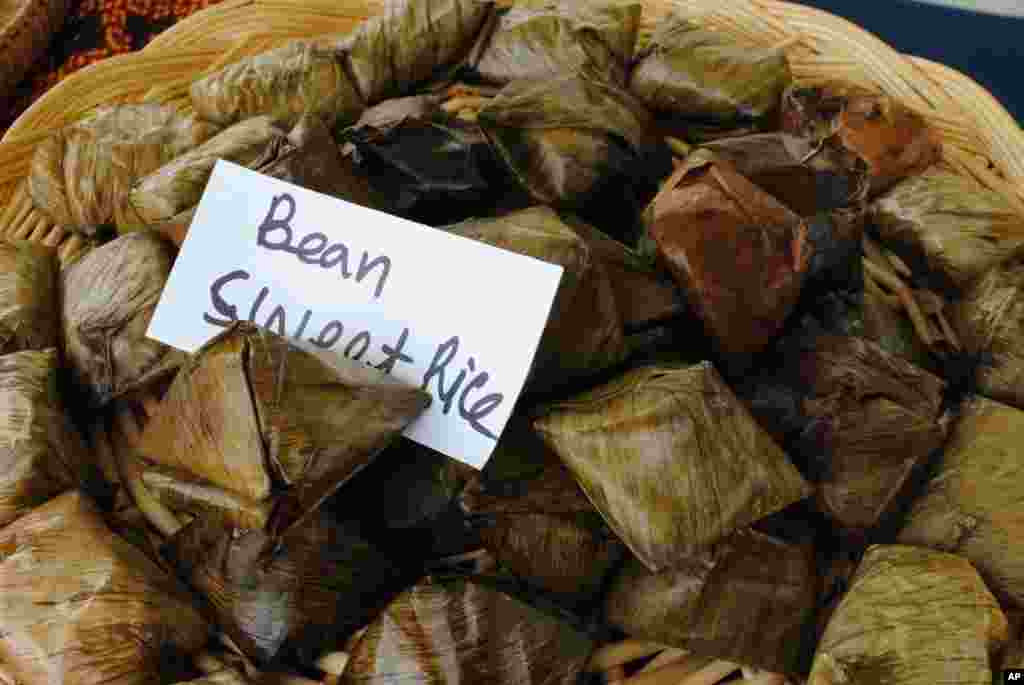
618	653
19	200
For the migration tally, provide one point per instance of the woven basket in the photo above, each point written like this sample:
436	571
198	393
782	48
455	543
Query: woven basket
26	27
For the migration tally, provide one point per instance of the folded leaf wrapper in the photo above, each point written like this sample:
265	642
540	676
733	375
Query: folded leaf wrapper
41	454
973	505
912	617
990	321
671	459
250	411
409	41
745	600
314	585
740	256
109	297
694	73
29	301
584	331
300	77
463	632
578	143
182	495
536	521
856	418
948	228
81	176
544	39
81	605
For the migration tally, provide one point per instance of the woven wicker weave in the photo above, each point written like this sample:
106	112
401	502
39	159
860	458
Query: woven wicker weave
26	27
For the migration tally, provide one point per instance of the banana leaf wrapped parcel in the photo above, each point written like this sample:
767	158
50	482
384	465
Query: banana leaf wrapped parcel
109	297
744	599
581	144
313	586
947	228
82	605
672	460
285	83
539	39
912	616
41	453
584	333
29	297
973	506
689	72
81	176
855	418
465	632
410	41
254	415
989	319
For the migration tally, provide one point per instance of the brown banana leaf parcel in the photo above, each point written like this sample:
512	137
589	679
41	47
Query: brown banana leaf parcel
740	256
855	418
187	498
584	332
540	39
463	632
671	459
990	321
689	72
81	176
537	522
409	41
108	299
312	586
41	454
947	228
81	605
581	144
870	134
912	617
745	599
973	505
254	415
29	301
300	77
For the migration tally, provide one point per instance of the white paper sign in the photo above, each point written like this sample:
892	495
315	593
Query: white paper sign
456	317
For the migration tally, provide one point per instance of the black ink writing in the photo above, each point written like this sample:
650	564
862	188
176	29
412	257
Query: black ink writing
395	354
478	410
220	304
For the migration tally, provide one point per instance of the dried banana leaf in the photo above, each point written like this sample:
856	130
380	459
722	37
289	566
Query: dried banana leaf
81	605
580	144
109	297
746	599
29	302
584	331
251	410
427	166
947	228
550	38
793	170
911	617
671	459
740	256
182	495
80	177
856	418
973	505
463	632
691	72
41	454
175	188
300	77
410	41
537	522
810	111
312	586
989	319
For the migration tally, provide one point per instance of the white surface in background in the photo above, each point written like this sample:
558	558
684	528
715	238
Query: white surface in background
438	286
1007	7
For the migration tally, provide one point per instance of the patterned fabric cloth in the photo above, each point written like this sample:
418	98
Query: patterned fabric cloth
94	30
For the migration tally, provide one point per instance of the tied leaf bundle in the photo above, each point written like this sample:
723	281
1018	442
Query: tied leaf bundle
671	459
